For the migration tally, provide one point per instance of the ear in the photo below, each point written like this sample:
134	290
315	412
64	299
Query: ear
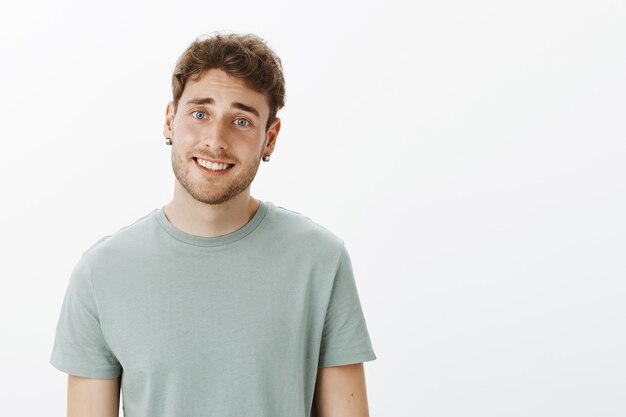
270	137
169	120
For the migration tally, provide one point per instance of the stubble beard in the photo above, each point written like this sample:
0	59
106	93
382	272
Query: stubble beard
207	193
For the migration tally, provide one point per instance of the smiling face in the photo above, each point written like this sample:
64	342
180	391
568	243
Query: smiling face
218	136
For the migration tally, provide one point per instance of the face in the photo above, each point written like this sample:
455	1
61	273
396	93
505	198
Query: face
218	136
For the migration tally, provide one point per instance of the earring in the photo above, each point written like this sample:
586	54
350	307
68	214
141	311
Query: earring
168	141
266	157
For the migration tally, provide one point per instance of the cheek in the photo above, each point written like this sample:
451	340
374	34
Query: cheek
186	135
246	143
256	147
182	128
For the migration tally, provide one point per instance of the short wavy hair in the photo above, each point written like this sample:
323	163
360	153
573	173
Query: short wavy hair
245	56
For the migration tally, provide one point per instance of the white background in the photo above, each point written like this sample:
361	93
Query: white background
471	155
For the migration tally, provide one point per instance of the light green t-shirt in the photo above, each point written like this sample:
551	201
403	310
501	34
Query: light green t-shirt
228	326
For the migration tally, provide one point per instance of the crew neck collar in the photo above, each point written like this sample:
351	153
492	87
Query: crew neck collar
217	240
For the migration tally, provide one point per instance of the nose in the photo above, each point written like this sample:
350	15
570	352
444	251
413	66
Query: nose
215	135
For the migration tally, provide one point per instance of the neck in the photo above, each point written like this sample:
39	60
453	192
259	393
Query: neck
209	220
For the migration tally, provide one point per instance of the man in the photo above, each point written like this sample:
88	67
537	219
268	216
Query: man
216	304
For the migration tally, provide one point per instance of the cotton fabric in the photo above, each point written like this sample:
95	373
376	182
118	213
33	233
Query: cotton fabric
235	325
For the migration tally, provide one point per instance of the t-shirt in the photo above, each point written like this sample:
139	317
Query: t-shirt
229	326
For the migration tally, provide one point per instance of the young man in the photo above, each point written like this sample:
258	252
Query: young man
216	304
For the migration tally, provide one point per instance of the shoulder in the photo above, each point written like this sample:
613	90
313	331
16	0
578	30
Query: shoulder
124	241
300	230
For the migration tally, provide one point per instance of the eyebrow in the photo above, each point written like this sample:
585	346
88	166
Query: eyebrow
245	108
234	105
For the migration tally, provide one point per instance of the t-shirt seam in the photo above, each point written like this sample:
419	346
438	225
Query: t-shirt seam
330	296
346	352
309	219
63	360
360	356
225	245
95	299
335	271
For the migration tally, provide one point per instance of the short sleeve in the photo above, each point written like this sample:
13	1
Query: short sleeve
79	346
345	339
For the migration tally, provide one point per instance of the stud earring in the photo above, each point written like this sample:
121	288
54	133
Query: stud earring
168	141
266	157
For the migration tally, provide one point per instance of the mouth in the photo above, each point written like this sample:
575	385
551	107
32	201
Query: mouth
214	168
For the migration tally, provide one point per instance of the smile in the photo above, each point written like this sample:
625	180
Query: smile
213	166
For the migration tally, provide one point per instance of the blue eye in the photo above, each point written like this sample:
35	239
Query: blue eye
198	115
241	122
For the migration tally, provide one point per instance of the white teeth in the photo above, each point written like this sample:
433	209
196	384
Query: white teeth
212	165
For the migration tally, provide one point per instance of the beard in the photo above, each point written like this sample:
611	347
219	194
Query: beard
216	190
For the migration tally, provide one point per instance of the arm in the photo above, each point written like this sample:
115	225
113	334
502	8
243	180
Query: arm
93	397
340	391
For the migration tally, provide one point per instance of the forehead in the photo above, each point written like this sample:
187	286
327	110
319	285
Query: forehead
224	89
